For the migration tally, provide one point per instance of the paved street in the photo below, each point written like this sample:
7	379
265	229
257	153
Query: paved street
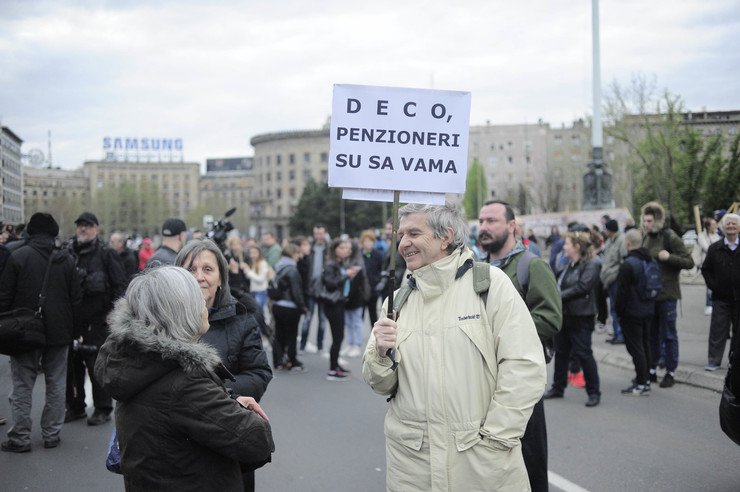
329	434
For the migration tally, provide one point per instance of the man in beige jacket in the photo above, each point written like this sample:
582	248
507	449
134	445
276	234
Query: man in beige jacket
469	366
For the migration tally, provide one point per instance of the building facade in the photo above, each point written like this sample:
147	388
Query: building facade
11	177
283	163
60	192
222	190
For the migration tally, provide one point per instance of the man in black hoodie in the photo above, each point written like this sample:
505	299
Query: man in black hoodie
635	313
20	286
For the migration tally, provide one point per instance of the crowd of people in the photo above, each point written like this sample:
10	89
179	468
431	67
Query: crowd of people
113	309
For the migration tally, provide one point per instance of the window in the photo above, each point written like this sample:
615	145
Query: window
324	157
291	158
306	174
306	157
510	159
278	176
267	160
279	193
291	175
278	159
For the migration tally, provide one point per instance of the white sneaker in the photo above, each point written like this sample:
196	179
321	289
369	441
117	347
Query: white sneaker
310	348
600	327
707	310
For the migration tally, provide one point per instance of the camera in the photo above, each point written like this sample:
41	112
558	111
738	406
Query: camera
220	229
84	349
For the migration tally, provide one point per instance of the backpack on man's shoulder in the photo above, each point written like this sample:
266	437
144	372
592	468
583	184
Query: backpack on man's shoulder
650	282
274	290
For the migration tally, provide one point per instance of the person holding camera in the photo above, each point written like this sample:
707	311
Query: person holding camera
103	281
20	285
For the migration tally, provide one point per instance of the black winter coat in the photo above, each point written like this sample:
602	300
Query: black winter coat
235	334
721	271
178	429
103	281
628	303
577	284
373	268
291	286
21	281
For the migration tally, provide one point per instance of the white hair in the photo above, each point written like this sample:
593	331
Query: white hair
730	216
442	219
169	300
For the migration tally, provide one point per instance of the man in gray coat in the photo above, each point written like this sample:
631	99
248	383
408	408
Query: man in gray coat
614	253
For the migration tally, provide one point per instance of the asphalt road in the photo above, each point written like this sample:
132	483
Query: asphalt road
329	438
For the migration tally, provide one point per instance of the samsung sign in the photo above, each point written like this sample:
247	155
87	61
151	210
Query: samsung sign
147	149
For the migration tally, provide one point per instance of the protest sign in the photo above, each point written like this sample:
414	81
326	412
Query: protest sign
386	138
387	196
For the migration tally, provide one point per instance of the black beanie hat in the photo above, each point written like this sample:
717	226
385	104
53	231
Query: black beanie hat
42	223
612	225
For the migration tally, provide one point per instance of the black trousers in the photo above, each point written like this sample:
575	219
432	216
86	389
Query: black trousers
575	337
534	449
725	320
372	309
286	334
76	368
602	297
335	315
637	340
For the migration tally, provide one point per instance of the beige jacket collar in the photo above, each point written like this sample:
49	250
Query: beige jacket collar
432	280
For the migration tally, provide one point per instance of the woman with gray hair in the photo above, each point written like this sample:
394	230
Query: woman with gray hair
165	382
234	331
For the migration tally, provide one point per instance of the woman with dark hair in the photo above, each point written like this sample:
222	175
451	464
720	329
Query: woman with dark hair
166	385
336	279
577	283
234	332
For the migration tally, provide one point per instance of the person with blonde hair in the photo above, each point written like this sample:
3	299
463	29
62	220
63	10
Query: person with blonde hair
577	283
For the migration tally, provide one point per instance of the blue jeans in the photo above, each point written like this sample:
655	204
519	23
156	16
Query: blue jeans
612	290
663	332
353	325
312	303
23	370
261	297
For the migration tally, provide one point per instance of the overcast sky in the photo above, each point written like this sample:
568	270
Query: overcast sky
218	73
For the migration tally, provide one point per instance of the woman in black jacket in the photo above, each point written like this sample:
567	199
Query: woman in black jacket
166	385
234	332
577	283
336	280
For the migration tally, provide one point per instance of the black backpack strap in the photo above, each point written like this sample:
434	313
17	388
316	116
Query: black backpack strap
44	286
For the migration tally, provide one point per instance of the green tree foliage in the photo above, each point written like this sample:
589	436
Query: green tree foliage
722	183
319	203
476	190
668	158
131	207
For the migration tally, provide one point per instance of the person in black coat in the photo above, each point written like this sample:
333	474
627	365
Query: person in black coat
635	313
178	427
721	271
577	283
20	285
234	332
373	270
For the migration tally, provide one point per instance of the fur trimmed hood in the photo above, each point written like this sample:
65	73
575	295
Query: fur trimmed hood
656	210
134	356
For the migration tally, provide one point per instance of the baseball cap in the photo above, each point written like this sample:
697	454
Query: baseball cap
173	227
88	218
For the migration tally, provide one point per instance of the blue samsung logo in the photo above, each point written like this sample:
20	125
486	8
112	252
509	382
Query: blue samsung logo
141	144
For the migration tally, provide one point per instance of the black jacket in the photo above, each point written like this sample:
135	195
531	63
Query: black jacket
235	334
291	285
103	281
577	284
21	281
178	429
721	271
129	263
628	303
373	268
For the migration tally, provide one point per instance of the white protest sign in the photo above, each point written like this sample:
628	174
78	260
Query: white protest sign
387	196
387	138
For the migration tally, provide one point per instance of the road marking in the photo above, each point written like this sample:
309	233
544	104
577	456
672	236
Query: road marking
563	483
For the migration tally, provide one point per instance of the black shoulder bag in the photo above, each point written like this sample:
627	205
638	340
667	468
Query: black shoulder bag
22	330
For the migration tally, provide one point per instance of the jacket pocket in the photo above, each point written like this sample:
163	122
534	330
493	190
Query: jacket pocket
407	435
466	439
